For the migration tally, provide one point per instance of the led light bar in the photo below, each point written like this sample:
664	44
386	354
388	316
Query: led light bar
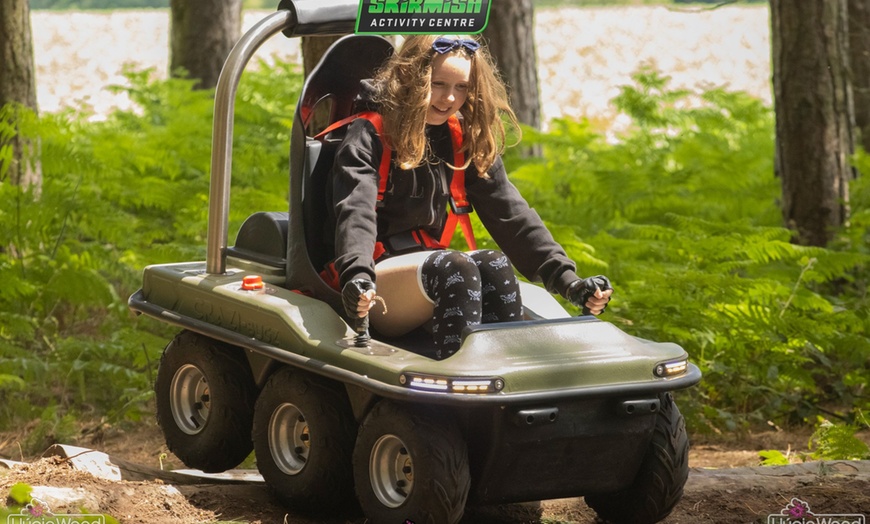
671	369
434	384
452	384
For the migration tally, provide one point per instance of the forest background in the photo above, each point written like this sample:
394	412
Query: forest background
680	209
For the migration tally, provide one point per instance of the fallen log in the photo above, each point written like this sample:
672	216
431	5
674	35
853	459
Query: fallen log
102	465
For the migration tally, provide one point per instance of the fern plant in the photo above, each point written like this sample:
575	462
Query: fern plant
682	212
679	209
118	194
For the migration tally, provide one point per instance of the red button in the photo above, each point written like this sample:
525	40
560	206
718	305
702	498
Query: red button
252	283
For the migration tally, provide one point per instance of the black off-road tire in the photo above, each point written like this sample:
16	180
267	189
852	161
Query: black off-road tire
659	482
304	432
410	466
205	402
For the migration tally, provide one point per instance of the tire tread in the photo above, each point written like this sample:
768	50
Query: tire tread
661	478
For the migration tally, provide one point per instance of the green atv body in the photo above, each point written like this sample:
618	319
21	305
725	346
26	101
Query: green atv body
552	406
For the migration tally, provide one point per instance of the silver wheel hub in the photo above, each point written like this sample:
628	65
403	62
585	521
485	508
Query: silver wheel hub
391	471
289	440
189	399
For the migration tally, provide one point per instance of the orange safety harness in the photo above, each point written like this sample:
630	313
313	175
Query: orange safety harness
460	208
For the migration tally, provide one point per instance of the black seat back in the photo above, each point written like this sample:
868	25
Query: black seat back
328	95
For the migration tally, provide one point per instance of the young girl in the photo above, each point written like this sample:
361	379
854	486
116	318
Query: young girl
431	79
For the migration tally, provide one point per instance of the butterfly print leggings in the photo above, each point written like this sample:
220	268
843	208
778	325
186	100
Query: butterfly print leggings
468	289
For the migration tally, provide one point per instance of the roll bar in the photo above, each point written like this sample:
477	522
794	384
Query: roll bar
294	18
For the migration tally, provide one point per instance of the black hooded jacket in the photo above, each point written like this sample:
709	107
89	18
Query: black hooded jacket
418	199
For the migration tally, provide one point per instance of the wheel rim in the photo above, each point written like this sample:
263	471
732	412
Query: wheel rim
289	440
189	399
391	471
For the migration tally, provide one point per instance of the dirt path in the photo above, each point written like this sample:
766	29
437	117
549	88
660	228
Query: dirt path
726	496
730	495
735	491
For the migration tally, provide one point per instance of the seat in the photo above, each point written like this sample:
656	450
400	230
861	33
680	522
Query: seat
262	239
329	94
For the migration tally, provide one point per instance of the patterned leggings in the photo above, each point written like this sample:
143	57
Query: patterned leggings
468	288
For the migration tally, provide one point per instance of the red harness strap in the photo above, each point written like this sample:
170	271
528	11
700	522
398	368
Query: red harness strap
460	208
377	121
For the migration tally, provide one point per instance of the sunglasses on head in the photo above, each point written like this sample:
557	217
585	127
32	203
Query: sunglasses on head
443	45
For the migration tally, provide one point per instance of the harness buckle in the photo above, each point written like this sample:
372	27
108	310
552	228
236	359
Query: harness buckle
460	210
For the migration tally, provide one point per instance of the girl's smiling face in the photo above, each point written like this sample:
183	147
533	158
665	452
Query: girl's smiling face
451	73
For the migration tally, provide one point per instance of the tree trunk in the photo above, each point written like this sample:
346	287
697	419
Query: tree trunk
18	86
510	34
202	35
313	48
859	60
814	115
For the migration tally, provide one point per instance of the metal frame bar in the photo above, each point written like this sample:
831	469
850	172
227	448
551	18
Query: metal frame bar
222	134
295	18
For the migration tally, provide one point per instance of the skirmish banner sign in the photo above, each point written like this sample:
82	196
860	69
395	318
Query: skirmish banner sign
384	17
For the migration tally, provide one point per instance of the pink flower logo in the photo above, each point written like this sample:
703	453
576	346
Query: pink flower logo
797	509
37	508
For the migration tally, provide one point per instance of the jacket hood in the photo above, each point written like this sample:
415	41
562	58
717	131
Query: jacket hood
365	99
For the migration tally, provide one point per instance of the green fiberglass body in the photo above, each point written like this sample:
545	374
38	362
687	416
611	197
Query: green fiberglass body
549	407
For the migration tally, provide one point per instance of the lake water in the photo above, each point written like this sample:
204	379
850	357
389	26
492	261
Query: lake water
584	54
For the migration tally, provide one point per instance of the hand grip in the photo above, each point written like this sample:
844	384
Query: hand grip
350	296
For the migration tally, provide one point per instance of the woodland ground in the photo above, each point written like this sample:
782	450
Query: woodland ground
724	486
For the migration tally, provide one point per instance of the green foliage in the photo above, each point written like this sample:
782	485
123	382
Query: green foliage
25	509
20	493
773	457
829	442
51	428
837	442
681	209
857	236
116	195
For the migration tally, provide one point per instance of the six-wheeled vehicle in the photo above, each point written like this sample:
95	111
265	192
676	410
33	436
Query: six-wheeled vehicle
548	407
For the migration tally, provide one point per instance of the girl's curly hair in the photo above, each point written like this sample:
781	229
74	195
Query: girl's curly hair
403	95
